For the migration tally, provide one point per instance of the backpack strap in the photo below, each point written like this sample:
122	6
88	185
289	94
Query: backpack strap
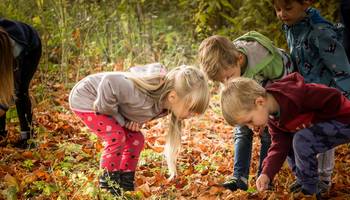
273	58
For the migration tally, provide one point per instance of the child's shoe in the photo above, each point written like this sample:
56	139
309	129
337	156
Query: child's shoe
318	195
234	184
324	186
3	135
111	182
127	181
295	187
24	142
117	181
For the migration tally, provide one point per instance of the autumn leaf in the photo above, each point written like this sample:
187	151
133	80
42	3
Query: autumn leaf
27	154
145	189
11	181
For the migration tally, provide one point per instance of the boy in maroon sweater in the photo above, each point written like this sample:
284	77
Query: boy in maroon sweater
303	119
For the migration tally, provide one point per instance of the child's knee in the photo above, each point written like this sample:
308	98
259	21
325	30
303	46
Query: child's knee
300	142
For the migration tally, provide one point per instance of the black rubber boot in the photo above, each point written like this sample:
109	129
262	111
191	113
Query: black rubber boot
127	181
111	182
24	142
3	133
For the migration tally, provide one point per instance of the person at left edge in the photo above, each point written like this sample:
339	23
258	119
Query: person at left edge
20	48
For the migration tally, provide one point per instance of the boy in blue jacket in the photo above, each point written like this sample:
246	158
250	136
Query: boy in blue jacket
319	56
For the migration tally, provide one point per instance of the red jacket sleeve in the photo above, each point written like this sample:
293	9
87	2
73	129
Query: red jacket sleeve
278	151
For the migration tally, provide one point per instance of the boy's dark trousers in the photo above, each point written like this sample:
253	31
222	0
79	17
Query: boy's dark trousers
24	68
307	143
243	140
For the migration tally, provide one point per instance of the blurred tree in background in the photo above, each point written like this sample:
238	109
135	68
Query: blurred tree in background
84	36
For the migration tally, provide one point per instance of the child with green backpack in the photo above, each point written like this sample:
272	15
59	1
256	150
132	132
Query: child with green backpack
251	55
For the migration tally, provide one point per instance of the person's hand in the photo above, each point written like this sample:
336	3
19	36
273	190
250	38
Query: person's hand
133	126
262	183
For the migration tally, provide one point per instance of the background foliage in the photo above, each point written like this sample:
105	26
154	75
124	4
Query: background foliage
81	36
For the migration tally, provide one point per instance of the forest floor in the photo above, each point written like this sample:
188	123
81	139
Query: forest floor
65	162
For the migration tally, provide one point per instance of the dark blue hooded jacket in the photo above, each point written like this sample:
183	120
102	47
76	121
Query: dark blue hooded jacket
317	52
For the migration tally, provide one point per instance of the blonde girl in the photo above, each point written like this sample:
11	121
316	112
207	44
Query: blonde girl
114	105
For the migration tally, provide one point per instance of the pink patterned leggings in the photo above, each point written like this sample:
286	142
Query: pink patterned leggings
122	147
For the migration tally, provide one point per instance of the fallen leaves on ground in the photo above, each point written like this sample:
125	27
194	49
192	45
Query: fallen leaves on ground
65	163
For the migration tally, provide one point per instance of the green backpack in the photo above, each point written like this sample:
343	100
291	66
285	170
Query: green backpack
274	59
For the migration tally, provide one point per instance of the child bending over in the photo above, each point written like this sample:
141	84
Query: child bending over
114	105
251	55
304	119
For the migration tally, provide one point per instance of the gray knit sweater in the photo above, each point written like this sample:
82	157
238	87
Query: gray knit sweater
115	95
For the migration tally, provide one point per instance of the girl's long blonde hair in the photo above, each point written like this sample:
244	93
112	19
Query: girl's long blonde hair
6	69
191	85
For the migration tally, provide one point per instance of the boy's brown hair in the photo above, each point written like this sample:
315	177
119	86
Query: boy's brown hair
216	53
288	1
238	97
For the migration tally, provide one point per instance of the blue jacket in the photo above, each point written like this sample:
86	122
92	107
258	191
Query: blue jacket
316	51
345	10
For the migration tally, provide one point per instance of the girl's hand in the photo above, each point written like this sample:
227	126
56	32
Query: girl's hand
133	126
262	183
